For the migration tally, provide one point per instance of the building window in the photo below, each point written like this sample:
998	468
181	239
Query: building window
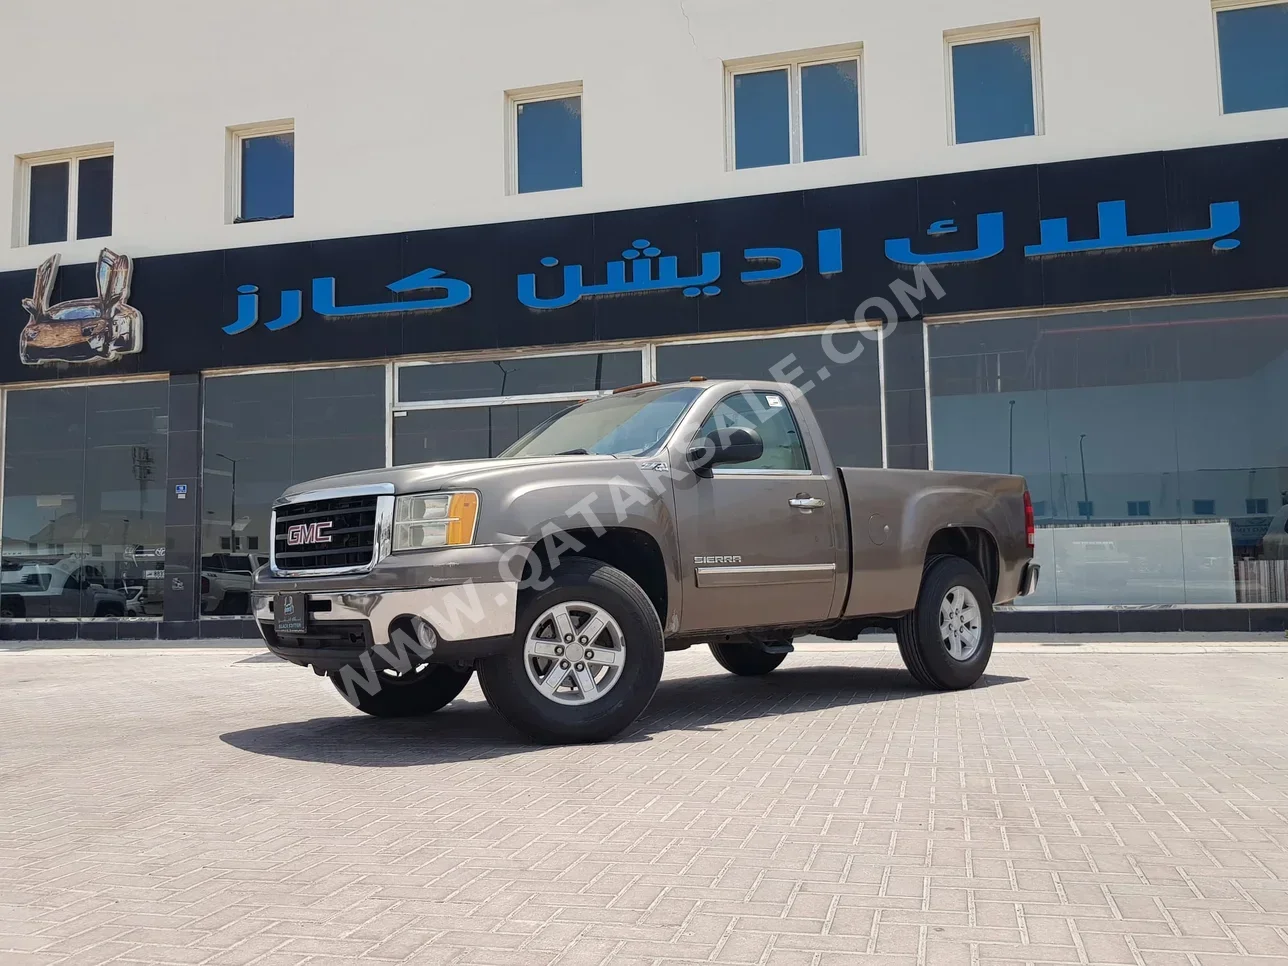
1086	508
474	410
64	196
794	108
995	84
84	506
1252	43
262	433
1138	508
545	138
1113	411
1258	508
261	172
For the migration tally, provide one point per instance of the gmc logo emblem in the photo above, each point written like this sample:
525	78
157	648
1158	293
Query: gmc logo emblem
298	534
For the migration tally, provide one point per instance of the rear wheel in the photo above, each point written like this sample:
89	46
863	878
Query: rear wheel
947	639
746	660
585	660
416	691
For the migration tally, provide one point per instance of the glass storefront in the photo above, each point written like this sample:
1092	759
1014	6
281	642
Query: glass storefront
84	501
262	433
473	410
846	397
1153	440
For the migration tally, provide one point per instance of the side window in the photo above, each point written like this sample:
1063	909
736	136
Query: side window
769	414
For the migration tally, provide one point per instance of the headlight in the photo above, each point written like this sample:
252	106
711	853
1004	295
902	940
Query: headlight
425	521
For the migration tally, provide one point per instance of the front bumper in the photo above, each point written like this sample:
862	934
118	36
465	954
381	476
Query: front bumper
1029	579
352	618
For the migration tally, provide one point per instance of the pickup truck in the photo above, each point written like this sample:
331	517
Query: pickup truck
645	521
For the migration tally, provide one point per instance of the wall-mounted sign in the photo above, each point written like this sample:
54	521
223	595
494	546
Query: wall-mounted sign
642	268
1165	224
98	329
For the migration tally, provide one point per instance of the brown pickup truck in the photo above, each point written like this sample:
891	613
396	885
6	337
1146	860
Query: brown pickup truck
648	520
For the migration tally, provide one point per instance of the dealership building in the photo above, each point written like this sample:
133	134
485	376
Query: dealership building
407	233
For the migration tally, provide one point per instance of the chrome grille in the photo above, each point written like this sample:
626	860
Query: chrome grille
347	539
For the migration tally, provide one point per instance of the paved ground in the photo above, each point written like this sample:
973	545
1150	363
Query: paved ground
1104	805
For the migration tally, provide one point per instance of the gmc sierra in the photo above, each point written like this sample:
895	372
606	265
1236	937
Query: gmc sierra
648	520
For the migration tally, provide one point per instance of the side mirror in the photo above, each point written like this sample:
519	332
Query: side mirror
726	447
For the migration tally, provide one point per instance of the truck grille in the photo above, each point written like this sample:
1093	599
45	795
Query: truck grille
322	534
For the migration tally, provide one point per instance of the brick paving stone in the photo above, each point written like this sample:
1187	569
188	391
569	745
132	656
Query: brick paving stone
1088	805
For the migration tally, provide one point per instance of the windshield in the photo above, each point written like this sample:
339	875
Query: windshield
632	424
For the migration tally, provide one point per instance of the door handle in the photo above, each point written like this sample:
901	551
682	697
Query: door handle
804	502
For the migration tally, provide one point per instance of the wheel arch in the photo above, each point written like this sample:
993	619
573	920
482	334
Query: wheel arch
973	544
634	552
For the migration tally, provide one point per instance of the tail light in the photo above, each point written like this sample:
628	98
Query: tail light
205	581
1029	526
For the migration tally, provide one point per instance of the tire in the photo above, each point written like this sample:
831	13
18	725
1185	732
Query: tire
588	700
938	659
110	610
12	608
414	693
745	660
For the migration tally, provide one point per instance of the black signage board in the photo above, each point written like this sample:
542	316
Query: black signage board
1200	221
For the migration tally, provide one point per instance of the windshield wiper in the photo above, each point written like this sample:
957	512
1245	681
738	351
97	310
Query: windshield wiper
574	452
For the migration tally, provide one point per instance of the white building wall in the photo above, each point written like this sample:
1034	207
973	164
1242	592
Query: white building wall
399	107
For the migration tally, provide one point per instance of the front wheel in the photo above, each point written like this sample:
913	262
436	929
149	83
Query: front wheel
746	660
947	639
415	691
585	659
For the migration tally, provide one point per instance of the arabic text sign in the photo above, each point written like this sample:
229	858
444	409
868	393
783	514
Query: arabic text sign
643	268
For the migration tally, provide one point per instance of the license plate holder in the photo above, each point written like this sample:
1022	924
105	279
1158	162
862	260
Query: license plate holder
291	613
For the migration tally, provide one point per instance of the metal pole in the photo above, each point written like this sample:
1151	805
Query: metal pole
232	502
1010	458
1086	500
232	511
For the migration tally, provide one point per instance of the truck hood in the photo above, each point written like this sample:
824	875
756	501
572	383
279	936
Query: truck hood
422	477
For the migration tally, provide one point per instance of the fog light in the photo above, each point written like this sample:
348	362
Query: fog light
425	636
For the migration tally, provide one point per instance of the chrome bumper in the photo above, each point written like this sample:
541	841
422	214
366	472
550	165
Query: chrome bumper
1029	579
457	612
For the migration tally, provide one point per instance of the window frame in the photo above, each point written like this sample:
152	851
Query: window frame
233	138
73	157
760	471
514	99
1225	6
1032	29
514	399
792	61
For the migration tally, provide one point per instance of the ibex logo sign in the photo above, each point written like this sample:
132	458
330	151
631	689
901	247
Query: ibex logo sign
299	534
99	329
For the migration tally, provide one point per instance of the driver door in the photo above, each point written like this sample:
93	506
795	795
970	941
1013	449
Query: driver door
758	539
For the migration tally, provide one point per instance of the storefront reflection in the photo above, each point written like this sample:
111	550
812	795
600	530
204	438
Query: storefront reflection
1152	440
264	432
84	506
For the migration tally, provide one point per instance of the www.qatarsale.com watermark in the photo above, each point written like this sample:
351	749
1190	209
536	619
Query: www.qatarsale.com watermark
532	565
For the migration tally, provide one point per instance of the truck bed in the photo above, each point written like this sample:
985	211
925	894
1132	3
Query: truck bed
894	515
